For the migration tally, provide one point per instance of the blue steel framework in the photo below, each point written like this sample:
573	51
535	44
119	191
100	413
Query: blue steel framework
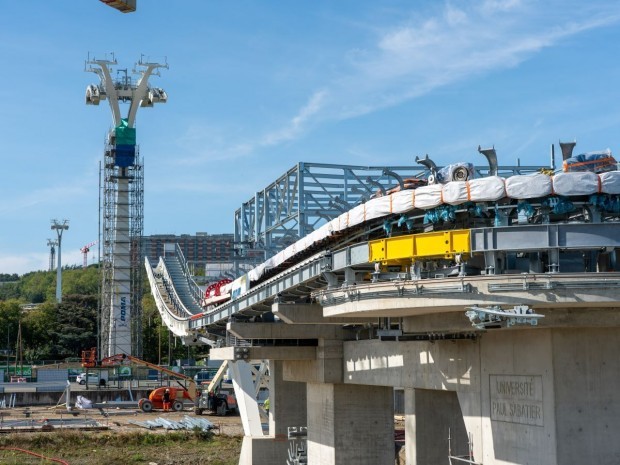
310	194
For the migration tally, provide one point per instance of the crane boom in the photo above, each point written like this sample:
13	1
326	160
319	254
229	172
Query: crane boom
85	251
124	359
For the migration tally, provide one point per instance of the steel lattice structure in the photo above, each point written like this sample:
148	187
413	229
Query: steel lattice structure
134	178
311	194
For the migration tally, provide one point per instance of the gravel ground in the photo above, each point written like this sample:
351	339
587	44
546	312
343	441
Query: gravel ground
117	419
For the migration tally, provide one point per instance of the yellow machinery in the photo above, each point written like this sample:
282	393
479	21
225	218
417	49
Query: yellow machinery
404	250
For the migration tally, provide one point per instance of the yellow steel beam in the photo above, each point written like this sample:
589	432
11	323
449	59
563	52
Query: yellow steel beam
433	245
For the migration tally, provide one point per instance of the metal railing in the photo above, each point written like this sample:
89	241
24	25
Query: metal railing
195	290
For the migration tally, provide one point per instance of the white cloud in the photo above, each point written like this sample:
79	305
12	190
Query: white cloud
455	16
56	195
298	123
417	57
495	6
454	42
23	263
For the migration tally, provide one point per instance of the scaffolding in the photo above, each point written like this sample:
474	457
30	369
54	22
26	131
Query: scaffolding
122	203
134	176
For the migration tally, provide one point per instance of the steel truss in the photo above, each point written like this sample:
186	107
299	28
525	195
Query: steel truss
311	194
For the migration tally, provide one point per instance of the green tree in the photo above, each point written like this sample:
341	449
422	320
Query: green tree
9	322
37	287
36	327
75	326
81	281
9	291
157	340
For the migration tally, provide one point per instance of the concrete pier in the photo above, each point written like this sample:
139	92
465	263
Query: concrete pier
350	424
542	393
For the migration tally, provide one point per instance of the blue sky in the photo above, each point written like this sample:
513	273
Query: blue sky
256	86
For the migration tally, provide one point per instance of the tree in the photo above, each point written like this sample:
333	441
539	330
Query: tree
81	281
38	286
9	322
9	291
151	330
156	336
74	326
37	325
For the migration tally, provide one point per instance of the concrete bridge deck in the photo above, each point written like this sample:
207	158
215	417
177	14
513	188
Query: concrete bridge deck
509	389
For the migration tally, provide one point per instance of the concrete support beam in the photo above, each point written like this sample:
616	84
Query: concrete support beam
350	424
264	353
246	398
431	296
410	427
310	314
267	450
326	368
429	416
288	408
431	323
286	331
554	318
288	402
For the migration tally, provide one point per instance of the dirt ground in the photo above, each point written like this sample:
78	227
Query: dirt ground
118	420
118	441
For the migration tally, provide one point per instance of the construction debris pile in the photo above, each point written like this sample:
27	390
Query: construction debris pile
187	423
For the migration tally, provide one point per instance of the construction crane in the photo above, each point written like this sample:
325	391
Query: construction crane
124	6
85	251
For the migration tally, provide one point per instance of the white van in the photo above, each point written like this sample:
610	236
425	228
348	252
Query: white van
93	379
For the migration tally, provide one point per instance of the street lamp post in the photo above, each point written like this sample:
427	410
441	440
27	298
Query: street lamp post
59	227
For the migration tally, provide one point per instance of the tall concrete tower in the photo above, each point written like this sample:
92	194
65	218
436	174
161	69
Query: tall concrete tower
122	206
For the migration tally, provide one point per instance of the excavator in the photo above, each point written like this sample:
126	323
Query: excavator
224	403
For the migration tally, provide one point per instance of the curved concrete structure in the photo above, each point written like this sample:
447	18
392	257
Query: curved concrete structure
504	347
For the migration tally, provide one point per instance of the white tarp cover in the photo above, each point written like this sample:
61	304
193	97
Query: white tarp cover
610	182
487	189
455	192
528	186
376	208
334	225
428	196
403	201
357	215
576	183
83	403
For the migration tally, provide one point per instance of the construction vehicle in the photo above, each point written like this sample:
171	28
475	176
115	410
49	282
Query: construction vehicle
219	395
225	400
178	394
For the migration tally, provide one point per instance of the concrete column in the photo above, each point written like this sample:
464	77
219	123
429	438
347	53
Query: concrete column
349	423
288	408
430	416
288	402
410	427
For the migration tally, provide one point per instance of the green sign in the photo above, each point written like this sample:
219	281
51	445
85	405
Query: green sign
25	370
